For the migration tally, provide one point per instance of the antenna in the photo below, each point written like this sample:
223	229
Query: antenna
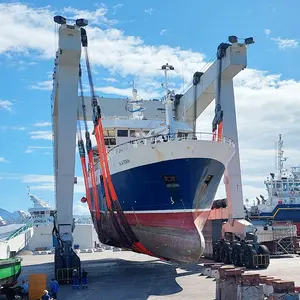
168	100
166	68
280	158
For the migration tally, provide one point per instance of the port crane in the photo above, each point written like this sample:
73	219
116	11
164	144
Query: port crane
216	83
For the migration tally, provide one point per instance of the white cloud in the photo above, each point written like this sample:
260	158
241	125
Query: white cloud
109	48
163	31
3	160
42	124
31	149
110	79
41	135
20	128
80	208
267	32
116	8
149	11
145	94
285	43
5	104
43	85
97	16
46	182
26	29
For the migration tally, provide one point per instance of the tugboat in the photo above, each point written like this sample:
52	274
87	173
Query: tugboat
10	270
283	202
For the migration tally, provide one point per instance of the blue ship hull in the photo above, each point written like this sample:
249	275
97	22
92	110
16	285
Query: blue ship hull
160	202
282	212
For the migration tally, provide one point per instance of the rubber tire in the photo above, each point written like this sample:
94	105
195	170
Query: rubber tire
226	253
237	253
262	249
217	252
249	252
10	296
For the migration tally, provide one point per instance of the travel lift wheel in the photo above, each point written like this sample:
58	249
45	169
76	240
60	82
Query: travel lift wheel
226	252
217	252
264	251
222	252
249	254
237	255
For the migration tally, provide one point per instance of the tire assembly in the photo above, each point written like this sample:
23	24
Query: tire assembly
241	254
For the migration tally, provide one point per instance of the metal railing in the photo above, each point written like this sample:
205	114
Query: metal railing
19	231
162	138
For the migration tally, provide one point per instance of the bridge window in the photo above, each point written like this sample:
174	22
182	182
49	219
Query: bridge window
182	134
135	133
110	132
122	132
110	142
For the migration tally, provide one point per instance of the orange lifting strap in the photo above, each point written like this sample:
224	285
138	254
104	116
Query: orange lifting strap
86	182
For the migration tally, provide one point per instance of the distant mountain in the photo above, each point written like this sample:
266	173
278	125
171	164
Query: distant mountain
6	215
20	216
17	216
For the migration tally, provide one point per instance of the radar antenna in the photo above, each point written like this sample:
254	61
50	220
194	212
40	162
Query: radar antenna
280	158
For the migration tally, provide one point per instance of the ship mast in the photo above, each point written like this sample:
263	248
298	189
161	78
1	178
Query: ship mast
168	99
137	109
280	158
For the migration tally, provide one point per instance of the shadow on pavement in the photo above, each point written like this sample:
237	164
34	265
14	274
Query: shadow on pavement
121	279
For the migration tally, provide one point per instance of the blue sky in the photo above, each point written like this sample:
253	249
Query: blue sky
131	39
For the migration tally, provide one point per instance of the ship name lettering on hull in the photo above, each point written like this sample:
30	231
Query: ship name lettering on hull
124	162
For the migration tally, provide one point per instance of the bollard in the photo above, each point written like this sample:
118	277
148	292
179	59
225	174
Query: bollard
219	279
284	290
214	270
269	286
206	269
263	282
250	288
229	283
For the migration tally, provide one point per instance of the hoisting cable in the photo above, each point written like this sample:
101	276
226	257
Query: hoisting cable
217	126
81	150
89	151
98	129
101	147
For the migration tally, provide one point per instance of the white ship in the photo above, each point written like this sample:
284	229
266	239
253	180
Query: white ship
41	214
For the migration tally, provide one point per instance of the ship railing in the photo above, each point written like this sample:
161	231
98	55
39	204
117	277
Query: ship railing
169	138
19	231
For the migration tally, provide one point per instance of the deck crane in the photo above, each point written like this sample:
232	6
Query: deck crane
215	83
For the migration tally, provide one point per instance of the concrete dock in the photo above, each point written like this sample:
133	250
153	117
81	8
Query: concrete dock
127	275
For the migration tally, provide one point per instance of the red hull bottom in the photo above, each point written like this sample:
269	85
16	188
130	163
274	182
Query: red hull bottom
175	236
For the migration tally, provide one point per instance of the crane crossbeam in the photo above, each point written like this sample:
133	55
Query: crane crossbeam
204	92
